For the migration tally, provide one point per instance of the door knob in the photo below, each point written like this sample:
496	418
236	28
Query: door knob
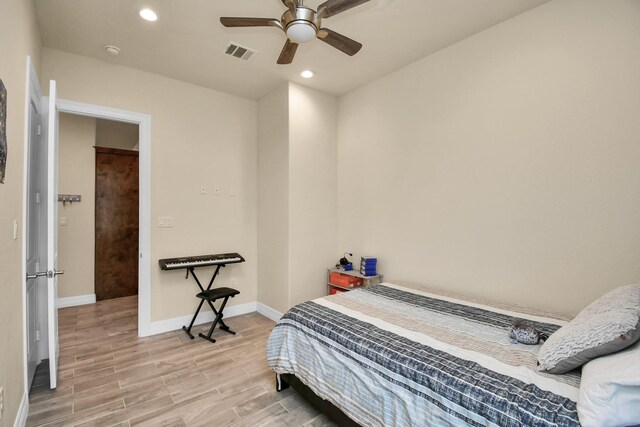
52	273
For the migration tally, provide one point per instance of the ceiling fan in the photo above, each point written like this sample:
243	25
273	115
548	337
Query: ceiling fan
302	24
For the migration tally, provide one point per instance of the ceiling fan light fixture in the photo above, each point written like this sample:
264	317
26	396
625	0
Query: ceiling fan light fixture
301	31
302	24
148	15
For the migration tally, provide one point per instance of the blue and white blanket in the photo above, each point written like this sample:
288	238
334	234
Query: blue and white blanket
394	356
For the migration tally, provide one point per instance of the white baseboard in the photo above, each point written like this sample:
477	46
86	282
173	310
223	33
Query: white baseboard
77	300
269	312
205	316
23	411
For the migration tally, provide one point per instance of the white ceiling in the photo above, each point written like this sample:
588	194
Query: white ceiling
188	41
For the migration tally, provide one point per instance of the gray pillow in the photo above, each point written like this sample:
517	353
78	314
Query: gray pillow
609	324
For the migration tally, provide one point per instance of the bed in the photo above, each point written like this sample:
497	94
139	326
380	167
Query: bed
390	355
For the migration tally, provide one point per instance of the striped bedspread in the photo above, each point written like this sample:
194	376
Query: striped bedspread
394	356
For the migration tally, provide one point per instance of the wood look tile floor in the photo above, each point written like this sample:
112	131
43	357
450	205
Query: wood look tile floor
110	377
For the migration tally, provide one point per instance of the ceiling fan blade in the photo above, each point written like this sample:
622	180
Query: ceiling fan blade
248	22
340	42
334	7
288	52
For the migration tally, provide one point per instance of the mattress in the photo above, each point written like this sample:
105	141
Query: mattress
390	355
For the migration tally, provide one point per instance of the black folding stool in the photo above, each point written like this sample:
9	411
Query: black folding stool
210	296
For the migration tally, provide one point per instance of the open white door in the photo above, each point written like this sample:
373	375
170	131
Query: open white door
52	233
34	216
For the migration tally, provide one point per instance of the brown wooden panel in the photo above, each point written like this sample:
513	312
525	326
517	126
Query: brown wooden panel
116	263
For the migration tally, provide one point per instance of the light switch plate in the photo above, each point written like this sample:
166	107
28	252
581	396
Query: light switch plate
15	229
216	190
203	189
1	401
165	221
63	221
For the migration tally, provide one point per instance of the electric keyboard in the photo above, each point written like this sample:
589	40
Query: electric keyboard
200	261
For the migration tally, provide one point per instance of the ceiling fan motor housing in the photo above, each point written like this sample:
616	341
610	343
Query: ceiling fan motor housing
302	27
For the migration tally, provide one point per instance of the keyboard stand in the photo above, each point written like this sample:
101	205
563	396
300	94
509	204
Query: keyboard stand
211	295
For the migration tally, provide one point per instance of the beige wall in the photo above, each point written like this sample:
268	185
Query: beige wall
76	239
18	38
506	165
312	191
273	200
114	134
296	195
198	136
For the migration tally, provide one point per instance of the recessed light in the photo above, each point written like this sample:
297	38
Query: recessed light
307	74
148	15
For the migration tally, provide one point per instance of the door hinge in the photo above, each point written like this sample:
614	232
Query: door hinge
37	335
39	130
37	198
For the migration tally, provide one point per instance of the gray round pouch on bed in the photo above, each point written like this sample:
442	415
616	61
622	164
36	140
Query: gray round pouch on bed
608	325
524	333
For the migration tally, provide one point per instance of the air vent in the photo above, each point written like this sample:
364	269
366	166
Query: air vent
240	52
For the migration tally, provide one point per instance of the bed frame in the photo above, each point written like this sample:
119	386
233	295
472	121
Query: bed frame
324	406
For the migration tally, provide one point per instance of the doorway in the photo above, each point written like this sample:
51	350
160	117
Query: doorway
143	121
98	217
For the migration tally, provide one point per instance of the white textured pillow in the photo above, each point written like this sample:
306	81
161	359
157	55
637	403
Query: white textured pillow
610	390
609	324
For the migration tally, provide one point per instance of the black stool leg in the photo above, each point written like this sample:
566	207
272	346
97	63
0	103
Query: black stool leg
188	330
223	325
217	319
